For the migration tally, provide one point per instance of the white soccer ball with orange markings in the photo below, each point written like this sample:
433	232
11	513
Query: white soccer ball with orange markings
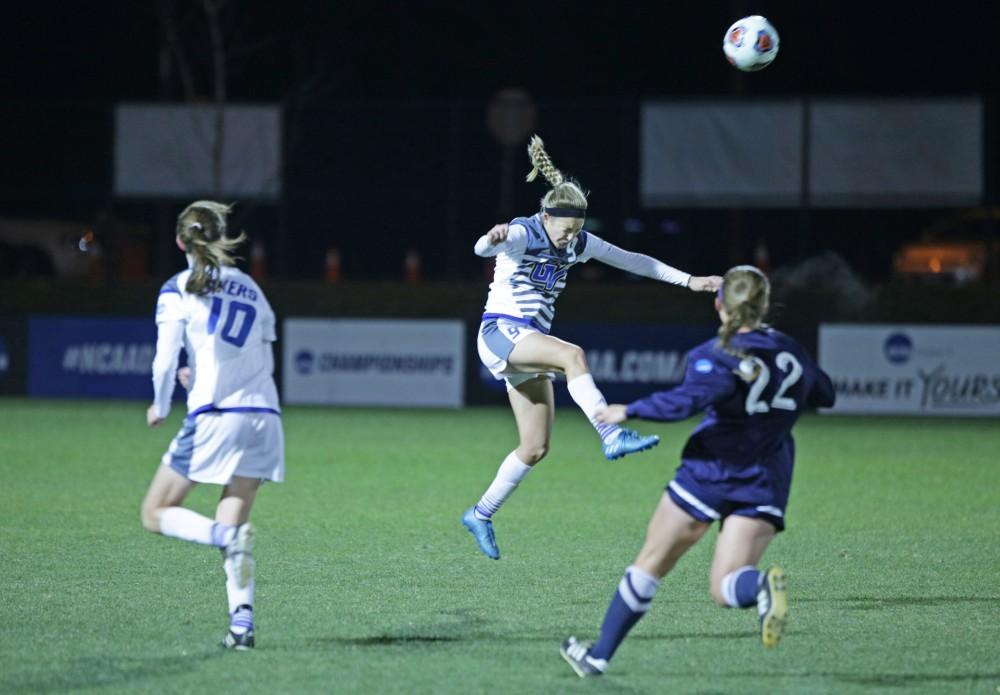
751	43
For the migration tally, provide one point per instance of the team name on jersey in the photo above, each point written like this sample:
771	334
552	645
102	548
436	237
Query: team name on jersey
236	289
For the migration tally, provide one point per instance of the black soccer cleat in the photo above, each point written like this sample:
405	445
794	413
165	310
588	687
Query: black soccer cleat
577	655
240	643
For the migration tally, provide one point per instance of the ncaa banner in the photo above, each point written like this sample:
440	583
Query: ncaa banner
91	357
628	361
913	369
374	362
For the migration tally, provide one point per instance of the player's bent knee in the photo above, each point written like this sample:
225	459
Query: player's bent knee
532	454
150	517
576	358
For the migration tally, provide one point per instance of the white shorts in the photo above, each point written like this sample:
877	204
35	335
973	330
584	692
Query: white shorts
215	446
497	338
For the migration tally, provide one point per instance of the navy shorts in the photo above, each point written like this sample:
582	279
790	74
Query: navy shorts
710	502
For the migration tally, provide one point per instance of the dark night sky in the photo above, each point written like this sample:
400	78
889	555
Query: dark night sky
380	72
107	51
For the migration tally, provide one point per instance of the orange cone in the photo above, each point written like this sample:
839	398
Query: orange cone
411	267
762	256
332	273
258	261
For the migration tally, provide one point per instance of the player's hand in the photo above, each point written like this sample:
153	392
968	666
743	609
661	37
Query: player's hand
708	283
152	417
613	414
497	234
184	376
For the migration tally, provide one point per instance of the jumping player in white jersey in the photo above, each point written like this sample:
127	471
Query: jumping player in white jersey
232	435
533	256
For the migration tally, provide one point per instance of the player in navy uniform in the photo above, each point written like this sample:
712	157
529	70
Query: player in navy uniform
533	256
736	468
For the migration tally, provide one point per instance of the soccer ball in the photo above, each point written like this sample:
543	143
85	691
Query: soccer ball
751	43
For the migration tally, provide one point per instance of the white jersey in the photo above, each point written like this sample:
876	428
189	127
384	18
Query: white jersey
227	334
531	272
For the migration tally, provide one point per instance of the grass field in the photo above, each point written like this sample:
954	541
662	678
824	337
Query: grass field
368	583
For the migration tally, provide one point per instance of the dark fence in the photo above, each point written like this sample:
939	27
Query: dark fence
376	180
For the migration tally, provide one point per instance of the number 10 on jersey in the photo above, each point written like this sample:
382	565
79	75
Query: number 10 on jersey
237	324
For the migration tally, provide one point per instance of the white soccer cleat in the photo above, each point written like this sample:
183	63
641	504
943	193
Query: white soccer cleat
577	655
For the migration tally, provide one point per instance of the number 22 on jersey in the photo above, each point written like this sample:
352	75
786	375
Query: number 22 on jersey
792	370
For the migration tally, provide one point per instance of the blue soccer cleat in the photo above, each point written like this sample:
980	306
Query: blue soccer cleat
628	442
482	530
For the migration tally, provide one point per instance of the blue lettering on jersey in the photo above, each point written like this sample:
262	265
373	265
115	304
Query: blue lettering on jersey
237	289
547	274
703	366
234	330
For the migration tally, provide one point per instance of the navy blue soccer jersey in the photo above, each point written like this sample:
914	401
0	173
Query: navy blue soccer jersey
747	424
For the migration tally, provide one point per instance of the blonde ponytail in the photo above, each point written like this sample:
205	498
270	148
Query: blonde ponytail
201	227
565	192
744	295
542	163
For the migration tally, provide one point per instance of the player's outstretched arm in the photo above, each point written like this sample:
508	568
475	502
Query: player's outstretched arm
706	283
647	266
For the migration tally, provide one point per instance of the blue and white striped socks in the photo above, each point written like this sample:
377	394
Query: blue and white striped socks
510	473
631	601
590	399
241	620
739	587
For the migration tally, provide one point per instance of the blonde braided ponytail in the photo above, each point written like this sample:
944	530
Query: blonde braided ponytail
565	191
541	162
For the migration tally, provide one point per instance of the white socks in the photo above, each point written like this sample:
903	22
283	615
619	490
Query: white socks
237	596
178	522
586	395
510	473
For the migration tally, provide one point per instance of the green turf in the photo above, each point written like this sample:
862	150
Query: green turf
368	583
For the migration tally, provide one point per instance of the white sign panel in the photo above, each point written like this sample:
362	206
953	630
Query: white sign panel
374	362
888	152
913	370
166	150
721	153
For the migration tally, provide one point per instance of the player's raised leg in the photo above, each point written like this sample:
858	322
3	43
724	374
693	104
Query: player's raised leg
737	583
540	352
534	408
670	534
234	510
161	512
